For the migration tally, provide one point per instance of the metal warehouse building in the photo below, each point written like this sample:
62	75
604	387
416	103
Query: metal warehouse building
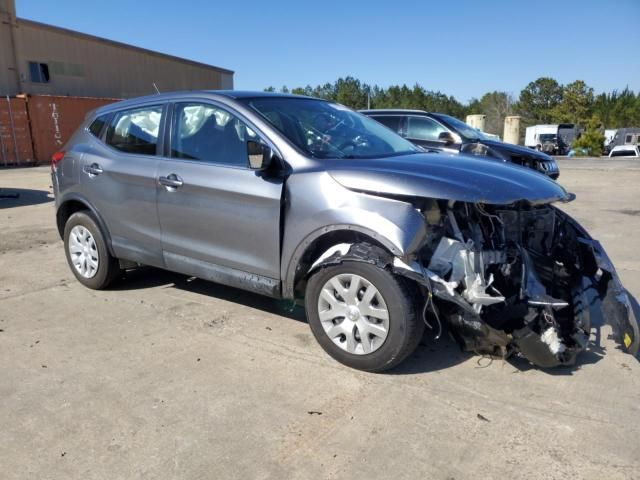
36	58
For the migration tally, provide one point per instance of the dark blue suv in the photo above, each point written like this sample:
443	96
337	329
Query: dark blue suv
437	132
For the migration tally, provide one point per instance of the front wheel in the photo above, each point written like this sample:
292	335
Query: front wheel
363	316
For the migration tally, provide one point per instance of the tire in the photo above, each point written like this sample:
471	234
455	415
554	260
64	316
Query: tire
374	351
83	236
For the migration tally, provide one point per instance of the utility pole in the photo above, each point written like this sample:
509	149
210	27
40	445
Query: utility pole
8	21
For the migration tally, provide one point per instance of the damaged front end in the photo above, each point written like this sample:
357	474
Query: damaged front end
522	278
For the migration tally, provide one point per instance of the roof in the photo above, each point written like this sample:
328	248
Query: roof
254	94
555	126
167	96
392	110
86	36
629	146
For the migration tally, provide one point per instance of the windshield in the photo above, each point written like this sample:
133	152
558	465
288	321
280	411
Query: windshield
329	130
468	133
547	137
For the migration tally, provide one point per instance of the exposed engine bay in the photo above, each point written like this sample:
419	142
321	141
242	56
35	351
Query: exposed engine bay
520	278
517	279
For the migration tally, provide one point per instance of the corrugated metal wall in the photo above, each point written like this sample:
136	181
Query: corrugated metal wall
80	65
54	119
15	133
34	128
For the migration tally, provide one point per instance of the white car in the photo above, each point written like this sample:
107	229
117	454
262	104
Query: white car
625	151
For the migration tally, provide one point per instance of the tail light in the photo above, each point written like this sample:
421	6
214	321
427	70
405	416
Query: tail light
56	158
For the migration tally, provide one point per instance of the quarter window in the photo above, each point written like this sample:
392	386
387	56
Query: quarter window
97	125
136	130
209	134
628	139
423	128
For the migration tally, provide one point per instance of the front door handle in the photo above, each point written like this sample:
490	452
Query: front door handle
93	169
171	181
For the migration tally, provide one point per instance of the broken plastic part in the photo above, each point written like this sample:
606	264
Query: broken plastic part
536	351
474	335
341	249
532	290
548	331
466	266
551	338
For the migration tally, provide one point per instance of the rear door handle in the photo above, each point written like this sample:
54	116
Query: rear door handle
171	181
93	170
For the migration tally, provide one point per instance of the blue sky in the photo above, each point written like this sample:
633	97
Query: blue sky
462	48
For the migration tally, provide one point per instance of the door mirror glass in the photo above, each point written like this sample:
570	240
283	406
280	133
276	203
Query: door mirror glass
259	155
447	138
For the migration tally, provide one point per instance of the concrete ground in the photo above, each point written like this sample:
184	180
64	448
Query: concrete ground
169	377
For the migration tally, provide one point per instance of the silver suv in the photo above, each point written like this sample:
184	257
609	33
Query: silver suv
304	199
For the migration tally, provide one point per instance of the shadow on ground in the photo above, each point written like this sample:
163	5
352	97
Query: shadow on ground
20	197
431	355
148	277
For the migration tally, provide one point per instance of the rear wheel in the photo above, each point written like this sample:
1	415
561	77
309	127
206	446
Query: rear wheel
363	316
87	252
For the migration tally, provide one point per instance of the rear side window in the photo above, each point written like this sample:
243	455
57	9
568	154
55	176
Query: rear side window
628	139
423	128
393	123
207	133
97	125
135	130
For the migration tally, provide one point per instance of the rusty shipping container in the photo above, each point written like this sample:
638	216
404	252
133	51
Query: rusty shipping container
53	120
15	133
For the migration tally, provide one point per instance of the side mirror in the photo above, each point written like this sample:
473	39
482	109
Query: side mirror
259	154
447	138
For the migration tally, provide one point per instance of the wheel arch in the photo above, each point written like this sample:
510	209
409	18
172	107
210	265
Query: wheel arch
321	240
76	203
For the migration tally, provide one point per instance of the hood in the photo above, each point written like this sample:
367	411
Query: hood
512	149
448	177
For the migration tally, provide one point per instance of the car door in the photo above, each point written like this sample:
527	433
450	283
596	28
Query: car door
424	131
118	176
220	219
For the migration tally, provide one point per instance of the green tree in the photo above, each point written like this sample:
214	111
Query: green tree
496	106
591	141
326	91
618	109
576	105
538	100
351	92
541	101
473	107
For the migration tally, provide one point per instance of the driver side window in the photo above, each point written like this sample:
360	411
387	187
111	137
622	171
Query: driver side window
206	133
424	128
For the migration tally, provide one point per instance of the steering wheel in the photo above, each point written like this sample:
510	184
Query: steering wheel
348	143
